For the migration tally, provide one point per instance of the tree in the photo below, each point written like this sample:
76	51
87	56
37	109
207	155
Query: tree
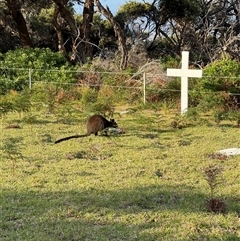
88	12
118	31
61	6
14	7
58	29
62	21
218	28
207	28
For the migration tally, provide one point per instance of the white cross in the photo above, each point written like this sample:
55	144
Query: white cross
184	73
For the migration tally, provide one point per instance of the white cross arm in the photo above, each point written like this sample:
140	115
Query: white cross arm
184	73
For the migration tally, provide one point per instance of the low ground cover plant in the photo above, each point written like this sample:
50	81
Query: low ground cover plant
145	184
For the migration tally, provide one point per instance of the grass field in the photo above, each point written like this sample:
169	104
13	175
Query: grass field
146	184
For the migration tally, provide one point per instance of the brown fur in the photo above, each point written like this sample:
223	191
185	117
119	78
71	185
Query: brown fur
95	124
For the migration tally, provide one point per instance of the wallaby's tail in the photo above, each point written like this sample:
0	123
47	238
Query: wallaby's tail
69	137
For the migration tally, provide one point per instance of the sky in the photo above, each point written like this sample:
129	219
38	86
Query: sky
112	4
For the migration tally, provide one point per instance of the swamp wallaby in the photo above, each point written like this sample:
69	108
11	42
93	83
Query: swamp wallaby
95	124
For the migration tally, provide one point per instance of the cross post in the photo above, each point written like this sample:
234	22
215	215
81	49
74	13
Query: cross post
184	73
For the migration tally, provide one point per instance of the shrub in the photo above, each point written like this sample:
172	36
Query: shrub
170	62
33	58
21	66
6	105
211	174
88	97
223	75
21	102
98	101
215	91
15	101
45	95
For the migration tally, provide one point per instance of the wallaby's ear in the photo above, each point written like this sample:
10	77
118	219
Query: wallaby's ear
112	120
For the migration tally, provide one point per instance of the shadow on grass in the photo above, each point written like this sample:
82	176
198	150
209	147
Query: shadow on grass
143	213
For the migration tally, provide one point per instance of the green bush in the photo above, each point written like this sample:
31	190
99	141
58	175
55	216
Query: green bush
216	90
14	101
20	66
6	105
223	75
170	62
33	58
44	95
171	92
213	101
88	97
105	101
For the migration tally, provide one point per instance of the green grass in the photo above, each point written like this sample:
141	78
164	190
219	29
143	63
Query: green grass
146	184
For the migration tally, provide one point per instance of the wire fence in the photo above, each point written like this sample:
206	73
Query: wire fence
143	82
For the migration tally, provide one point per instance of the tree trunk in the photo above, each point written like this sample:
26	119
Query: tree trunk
88	12
15	9
58	30
66	15
118	31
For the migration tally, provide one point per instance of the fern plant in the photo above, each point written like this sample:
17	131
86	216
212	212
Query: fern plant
212	176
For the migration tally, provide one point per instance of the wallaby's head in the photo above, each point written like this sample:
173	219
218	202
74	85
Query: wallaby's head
113	123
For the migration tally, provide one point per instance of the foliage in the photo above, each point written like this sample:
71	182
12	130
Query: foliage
169	62
171	91
101	101
45	95
14	101
67	113
212	93
223	75
21	101
179	9
105	102
42	29
216	91
6	105
143	22
212	101
179	122
88	97
192	114
30	118
234	115
42	20
211	174
32	58
133	9
21	66
222	105
107	39
191	117
103	106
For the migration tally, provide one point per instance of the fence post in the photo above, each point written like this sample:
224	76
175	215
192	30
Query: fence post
144	88
30	78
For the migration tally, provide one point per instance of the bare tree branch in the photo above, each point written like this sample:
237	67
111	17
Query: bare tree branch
118	31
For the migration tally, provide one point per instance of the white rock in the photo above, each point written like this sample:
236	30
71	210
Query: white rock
230	151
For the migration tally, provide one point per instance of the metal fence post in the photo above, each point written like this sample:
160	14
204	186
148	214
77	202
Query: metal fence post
144	88
30	78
